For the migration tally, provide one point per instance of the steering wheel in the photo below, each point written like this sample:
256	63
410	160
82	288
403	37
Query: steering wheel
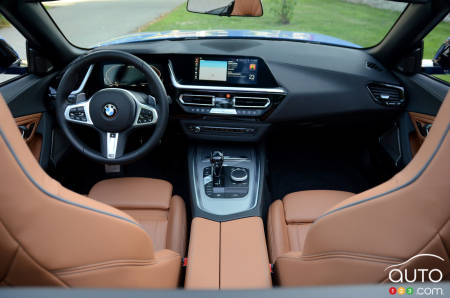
113	112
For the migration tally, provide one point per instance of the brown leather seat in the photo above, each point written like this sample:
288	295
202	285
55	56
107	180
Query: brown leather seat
290	219
51	236
151	203
352	240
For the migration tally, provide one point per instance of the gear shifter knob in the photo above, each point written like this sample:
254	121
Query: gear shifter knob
216	162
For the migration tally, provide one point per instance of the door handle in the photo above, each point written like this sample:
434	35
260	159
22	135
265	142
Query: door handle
26	130
424	128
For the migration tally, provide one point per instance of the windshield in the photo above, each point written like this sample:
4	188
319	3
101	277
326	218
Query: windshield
355	23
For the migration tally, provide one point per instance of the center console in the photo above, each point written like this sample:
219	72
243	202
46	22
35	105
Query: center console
225	98
226	181
228	255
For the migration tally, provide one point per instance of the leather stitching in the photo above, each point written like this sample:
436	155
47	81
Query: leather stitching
447	250
343	255
111	264
11	263
428	242
29	255
270	237
105	265
335	254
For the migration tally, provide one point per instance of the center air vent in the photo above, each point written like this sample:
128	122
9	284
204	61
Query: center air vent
386	94
251	102
197	100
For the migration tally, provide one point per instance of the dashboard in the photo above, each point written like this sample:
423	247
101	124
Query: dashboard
236	88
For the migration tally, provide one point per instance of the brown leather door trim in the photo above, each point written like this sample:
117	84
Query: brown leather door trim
417	138
33	139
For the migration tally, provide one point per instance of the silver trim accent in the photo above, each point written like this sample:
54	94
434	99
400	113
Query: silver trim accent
228	206
238	179
229	158
213	100
85	79
111	145
252	107
223	111
85	106
224	128
177	85
402	90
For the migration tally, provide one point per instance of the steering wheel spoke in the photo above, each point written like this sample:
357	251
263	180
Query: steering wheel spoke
113	144
146	115
78	113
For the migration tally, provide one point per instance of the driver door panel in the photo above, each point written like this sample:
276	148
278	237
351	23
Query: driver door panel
425	96
26	98
422	124
28	127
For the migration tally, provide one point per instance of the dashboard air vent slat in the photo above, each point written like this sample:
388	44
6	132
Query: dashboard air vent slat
387	94
374	66
197	100
251	102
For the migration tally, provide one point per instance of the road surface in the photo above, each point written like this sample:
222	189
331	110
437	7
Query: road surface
88	22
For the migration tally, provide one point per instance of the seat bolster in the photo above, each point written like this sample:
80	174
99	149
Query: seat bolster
306	206
295	269
161	272
277	231
133	193
177	225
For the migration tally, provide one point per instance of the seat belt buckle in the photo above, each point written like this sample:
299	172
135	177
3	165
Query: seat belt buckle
184	262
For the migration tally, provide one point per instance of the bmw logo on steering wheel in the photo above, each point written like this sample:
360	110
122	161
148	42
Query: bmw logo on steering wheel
110	110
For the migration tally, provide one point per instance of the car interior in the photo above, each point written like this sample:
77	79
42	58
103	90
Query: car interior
222	163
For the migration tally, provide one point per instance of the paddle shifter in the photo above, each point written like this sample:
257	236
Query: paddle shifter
216	165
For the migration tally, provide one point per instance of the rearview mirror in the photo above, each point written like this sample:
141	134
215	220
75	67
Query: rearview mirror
248	8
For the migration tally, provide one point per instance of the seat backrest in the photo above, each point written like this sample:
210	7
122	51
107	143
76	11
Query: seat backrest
408	215
47	230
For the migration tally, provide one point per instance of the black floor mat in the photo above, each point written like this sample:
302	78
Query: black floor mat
321	161
301	161
167	161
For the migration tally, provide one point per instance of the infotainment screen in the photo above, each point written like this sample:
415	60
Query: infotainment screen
239	71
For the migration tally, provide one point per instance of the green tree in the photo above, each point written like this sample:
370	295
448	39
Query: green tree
284	9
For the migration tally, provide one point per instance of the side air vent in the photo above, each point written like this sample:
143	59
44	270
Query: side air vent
197	100
386	94
251	102
374	66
